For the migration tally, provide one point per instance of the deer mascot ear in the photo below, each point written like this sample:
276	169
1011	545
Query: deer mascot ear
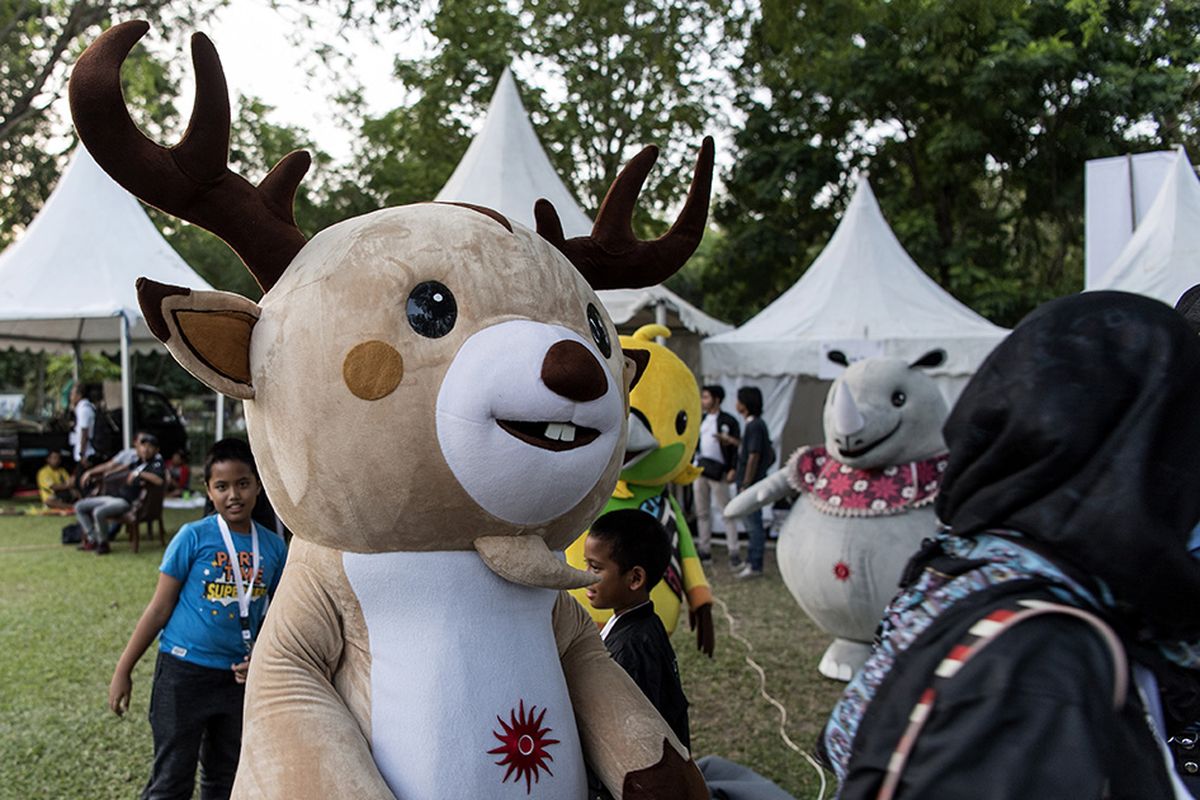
208	333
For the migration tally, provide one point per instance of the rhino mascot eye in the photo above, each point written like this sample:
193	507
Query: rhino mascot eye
899	399
432	310
681	420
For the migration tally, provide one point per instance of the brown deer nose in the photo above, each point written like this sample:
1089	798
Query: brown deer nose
571	371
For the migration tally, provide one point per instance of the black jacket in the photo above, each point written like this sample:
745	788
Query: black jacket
639	643
1021	719
1079	432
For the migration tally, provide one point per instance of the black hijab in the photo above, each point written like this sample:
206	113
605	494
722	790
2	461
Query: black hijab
1082	431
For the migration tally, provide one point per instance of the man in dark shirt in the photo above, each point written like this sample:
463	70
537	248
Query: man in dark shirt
94	513
628	549
754	458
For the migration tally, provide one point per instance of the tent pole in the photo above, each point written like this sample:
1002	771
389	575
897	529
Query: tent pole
1133	215
126	386
660	318
39	401
220	431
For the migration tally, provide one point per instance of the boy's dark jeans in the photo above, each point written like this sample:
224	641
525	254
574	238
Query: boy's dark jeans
195	713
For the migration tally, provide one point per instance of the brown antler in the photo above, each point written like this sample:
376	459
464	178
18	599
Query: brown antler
191	180
612	257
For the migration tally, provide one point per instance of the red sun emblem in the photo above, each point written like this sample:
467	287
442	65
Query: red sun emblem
841	571
523	745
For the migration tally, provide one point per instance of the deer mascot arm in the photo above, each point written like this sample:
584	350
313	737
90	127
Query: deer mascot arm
437	402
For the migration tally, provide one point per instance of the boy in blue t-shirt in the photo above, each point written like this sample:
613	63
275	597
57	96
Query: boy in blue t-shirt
213	586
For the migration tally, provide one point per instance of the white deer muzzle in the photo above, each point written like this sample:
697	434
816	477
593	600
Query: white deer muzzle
847	419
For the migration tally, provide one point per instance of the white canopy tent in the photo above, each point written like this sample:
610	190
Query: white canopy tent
506	169
863	295
1162	258
1118	193
68	283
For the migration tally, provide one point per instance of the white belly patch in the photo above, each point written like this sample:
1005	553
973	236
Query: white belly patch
468	697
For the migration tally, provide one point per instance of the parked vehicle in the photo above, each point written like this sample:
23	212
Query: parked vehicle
24	444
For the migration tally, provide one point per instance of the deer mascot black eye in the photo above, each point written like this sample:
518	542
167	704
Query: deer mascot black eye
432	310
599	333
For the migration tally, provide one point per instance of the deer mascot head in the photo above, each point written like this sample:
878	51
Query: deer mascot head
435	395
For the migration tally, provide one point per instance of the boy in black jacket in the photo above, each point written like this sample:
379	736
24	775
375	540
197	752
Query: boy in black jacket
628	549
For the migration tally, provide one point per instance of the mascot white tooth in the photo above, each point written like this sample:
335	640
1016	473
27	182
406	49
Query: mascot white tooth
438	403
866	500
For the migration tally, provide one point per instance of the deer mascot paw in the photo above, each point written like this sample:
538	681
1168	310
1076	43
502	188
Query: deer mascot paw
867	500
438	404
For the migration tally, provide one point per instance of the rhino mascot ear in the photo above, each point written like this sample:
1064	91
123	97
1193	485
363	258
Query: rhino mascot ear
934	358
838	357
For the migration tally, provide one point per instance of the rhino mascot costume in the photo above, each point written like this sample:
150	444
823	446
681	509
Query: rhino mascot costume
867	500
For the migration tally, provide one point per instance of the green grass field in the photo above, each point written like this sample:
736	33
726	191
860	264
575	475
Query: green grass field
65	615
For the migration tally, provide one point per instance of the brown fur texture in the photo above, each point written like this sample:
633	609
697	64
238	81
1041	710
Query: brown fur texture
526	560
672	778
311	670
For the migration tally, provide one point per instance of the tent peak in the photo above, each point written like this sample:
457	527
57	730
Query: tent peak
1159	259
505	167
70	276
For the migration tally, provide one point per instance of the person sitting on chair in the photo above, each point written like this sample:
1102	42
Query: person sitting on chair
95	513
106	477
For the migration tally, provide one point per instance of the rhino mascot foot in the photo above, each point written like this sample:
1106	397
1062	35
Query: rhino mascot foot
843	658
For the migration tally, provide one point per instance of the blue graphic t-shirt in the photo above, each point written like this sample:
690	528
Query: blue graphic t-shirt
204	628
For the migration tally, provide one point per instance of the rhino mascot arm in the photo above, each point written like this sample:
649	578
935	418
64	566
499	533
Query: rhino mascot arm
769	490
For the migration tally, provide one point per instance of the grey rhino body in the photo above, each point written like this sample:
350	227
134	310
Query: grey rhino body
843	571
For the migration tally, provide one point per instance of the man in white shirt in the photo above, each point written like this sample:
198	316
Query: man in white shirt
716	454
84	433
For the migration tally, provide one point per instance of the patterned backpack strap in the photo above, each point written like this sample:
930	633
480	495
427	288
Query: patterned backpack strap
981	634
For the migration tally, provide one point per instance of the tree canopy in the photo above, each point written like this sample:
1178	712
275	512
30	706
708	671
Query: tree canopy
973	119
608	77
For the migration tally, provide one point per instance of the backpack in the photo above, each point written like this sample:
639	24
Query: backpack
72	534
985	631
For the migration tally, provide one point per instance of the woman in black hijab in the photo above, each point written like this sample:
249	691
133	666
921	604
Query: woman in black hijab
1073	481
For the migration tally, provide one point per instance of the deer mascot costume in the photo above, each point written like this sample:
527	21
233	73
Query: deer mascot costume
438	404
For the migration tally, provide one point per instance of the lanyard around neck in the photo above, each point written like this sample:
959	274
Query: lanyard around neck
244	588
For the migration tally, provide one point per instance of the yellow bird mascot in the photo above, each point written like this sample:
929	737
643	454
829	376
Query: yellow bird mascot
664	427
